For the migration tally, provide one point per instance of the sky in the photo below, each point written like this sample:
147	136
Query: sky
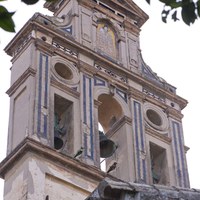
171	50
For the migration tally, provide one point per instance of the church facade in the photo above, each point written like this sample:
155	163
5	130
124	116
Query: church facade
71	73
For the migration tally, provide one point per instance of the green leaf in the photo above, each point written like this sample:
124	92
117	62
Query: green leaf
30	2
188	13
148	1
172	3
6	21
174	16
167	2
175	4
165	14
198	7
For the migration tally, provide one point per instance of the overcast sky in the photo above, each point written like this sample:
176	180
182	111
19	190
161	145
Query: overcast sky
171	50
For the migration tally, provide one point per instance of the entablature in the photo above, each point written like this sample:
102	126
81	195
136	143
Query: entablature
64	44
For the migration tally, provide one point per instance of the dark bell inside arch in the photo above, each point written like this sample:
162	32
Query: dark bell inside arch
107	147
58	143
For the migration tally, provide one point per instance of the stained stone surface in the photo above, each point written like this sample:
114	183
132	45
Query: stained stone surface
116	189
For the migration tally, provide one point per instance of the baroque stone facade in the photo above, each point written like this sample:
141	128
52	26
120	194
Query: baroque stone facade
71	72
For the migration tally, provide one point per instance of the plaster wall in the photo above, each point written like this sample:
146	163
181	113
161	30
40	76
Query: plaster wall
21	114
172	104
124	155
16	181
36	178
86	59
26	59
68	7
135	85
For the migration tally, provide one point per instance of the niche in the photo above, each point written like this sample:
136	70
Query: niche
159	165
106	39
63	124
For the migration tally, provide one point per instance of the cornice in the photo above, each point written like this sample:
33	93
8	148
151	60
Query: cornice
155	102
136	94
86	68
23	32
169	95
160	136
118	125
173	113
29	72
129	27
29	145
64	88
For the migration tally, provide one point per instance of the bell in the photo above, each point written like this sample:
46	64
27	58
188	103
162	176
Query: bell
58	143
107	147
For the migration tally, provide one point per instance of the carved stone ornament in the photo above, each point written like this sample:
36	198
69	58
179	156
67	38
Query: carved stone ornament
65	71
65	20
156	118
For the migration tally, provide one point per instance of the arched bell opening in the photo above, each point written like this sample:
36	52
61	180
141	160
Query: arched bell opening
63	123
109	112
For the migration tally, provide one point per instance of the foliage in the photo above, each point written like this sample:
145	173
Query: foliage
190	11
6	21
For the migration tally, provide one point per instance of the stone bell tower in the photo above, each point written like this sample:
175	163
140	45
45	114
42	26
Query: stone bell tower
71	72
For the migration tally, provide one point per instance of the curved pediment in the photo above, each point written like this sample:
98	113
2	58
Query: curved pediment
127	7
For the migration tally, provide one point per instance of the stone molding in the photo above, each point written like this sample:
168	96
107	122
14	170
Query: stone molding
118	189
29	72
173	113
64	88
156	134
118	125
71	66
30	145
163	127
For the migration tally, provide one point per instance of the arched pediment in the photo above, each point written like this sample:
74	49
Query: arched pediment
106	40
